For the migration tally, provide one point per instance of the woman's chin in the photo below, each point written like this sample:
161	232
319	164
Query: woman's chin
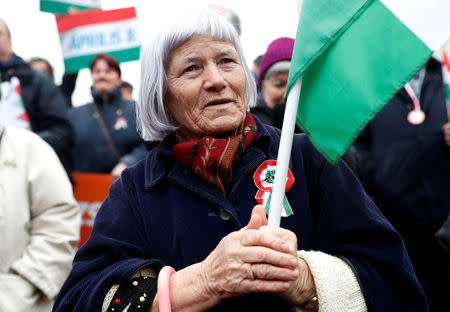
225	124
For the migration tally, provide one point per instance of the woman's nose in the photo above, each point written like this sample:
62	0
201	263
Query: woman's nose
214	79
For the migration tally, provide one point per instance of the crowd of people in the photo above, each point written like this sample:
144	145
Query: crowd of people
183	225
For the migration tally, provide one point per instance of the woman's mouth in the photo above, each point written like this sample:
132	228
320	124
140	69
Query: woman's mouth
219	102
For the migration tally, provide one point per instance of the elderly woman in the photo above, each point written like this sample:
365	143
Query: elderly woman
191	204
106	140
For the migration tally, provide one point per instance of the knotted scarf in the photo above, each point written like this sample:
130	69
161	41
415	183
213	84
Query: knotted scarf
213	158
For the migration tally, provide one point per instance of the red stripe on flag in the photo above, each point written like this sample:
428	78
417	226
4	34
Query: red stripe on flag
24	117
92	17
18	90
446	61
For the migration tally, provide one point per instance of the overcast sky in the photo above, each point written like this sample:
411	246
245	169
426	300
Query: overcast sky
34	33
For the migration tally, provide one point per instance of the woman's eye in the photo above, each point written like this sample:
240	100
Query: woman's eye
189	69
226	60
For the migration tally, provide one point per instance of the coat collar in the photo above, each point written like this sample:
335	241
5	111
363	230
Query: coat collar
13	61
161	163
113	96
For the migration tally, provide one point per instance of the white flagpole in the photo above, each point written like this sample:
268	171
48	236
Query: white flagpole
284	154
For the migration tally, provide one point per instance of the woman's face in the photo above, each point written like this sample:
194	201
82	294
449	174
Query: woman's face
206	87
42	67
104	77
274	89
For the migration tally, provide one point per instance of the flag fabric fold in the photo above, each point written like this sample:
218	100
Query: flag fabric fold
353	56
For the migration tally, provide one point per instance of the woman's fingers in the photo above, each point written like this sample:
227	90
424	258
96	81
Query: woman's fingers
252	260
258	254
263	271
260	238
268	286
257	219
285	235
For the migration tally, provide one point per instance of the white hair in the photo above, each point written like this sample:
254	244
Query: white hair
152	121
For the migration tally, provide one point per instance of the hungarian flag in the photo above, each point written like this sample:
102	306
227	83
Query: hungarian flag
62	6
85	34
12	109
353	56
446	79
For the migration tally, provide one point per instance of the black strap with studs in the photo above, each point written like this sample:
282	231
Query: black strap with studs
138	293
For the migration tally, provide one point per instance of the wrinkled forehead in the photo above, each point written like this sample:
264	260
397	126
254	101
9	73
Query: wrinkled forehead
199	45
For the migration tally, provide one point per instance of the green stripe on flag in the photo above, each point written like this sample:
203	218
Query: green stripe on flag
59	7
447	91
351	81
74	64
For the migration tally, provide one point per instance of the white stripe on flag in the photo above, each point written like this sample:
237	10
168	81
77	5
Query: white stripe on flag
445	75
417	15
86	3
98	38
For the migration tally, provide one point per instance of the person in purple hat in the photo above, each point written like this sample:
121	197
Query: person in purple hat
272	80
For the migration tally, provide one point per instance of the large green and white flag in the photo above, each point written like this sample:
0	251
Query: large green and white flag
85	34
62	6
353	56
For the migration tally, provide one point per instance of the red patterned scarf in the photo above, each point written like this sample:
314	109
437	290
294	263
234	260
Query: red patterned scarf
213	158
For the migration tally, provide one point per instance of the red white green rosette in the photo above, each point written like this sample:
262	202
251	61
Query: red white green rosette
264	178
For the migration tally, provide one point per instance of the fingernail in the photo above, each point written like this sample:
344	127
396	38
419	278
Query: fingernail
293	262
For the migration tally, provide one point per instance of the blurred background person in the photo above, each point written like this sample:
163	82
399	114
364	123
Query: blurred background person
256	66
44	104
68	80
255	70
43	65
230	15
40	222
127	91
272	80
405	167
106	139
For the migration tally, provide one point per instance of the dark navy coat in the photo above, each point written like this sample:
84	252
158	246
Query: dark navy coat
161	212
406	168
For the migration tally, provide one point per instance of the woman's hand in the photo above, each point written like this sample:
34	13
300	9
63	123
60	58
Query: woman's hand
257	258
250	261
446	131
303	288
117	170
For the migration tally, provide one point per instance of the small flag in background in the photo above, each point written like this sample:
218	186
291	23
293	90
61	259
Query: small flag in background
446	79
62	6
353	56
85	34
12	109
